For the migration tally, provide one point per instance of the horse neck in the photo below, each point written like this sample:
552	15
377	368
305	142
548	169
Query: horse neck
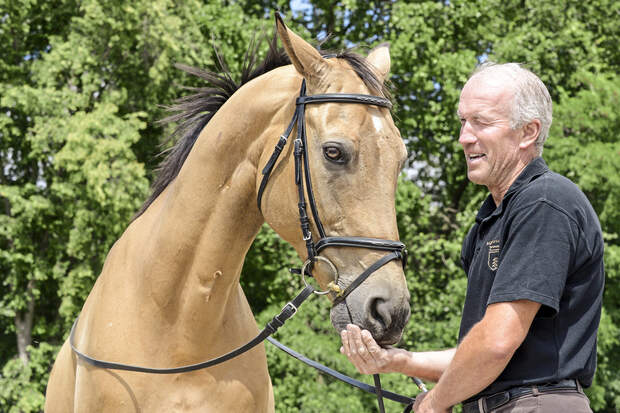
195	235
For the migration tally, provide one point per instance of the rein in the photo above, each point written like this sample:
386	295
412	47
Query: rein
396	251
276	322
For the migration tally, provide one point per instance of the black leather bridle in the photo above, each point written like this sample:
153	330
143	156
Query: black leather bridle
396	251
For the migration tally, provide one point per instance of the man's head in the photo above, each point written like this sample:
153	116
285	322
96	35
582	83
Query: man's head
505	113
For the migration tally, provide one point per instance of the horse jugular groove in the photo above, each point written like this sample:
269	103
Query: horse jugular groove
153	284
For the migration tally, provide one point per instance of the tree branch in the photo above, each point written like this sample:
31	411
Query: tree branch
23	325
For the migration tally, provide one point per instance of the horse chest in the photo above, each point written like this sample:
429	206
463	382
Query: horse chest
188	393
222	396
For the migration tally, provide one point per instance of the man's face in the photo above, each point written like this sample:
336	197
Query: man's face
491	146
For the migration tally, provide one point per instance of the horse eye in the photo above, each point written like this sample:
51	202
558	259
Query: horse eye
334	154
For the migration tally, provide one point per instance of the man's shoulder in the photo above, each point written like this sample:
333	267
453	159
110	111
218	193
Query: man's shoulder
555	191
552	188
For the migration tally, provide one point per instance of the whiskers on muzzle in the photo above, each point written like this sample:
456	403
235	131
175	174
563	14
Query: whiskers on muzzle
384	317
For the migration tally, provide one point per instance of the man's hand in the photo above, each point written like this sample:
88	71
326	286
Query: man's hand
365	354
424	404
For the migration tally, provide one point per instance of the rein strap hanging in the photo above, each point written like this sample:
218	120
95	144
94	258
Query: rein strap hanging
276	322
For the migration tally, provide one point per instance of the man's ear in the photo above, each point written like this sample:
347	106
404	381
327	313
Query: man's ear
531	131
379	58
306	59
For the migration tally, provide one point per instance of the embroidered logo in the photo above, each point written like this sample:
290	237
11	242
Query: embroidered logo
493	260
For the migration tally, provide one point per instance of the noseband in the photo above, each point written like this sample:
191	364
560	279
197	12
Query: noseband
396	249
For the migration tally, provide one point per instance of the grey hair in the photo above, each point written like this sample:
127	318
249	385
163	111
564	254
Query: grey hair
531	99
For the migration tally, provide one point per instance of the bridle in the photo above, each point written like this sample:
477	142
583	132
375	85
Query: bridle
396	249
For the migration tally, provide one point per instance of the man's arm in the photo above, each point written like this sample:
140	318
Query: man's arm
369	358
482	355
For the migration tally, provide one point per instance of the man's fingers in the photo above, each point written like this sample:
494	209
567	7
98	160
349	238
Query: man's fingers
355	350
357	343
370	342
363	351
350	338
344	336
418	401
376	352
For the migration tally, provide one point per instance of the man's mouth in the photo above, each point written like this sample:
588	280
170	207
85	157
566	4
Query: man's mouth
474	156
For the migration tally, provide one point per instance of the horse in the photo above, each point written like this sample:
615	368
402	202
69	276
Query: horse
169	292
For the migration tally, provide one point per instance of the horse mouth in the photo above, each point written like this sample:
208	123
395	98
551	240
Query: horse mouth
384	333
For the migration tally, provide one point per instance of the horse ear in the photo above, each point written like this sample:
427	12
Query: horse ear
379	58
306	59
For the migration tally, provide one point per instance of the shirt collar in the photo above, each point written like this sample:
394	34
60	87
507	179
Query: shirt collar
534	169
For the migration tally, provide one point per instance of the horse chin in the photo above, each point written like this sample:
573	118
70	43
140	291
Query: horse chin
341	316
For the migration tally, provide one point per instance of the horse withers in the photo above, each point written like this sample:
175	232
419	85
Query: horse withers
169	291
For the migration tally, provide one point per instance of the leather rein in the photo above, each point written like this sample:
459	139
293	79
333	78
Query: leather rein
396	251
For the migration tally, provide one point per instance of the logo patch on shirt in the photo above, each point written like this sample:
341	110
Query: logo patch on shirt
493	260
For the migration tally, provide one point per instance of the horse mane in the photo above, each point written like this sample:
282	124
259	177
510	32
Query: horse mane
193	112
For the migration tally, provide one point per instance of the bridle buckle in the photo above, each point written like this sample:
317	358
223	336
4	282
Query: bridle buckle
292	307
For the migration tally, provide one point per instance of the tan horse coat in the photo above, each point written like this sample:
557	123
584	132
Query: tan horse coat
169	292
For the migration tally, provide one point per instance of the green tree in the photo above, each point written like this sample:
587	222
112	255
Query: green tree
435	45
584	147
80	89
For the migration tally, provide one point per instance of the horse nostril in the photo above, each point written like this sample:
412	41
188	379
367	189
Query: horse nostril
386	317
380	313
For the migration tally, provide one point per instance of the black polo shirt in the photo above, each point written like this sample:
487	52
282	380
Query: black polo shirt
542	243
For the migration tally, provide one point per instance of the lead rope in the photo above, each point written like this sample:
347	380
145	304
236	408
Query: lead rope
405	400
379	393
422	388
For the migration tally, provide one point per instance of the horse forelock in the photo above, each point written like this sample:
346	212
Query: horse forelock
192	112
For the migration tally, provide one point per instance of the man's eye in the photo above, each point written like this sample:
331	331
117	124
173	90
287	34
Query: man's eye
334	154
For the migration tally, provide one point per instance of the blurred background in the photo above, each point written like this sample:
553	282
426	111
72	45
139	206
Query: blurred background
81	89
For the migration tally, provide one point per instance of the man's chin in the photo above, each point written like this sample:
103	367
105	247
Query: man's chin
476	177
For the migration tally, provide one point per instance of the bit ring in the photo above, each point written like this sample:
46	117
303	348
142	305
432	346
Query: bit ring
312	260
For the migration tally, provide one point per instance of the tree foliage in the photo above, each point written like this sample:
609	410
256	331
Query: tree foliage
81	84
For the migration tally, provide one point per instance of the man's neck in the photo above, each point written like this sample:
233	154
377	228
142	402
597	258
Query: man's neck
498	192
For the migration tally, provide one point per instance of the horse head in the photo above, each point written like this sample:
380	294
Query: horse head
354	154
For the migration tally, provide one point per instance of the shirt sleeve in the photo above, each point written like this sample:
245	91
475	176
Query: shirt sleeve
539	244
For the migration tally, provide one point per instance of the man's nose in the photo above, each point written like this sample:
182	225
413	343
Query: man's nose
466	135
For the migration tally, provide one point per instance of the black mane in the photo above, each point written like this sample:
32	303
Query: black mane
193	112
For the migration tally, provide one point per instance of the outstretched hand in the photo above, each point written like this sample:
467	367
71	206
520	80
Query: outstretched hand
370	358
365	354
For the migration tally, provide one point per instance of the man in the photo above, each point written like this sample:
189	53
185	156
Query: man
534	262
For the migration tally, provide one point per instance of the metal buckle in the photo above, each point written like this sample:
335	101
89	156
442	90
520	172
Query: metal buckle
325	260
290	304
309	236
282	142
